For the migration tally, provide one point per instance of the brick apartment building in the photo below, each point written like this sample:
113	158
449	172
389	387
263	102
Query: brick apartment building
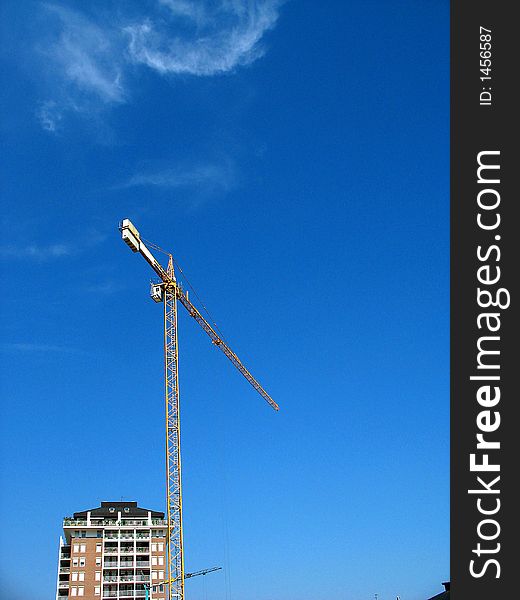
113	551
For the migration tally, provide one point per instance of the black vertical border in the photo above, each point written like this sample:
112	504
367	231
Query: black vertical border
476	128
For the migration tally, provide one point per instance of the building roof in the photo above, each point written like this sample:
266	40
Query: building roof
443	595
129	509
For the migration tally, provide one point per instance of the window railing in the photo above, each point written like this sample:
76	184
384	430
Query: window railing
124	594
124	578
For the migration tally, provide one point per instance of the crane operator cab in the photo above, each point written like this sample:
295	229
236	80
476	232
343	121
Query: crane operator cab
156	292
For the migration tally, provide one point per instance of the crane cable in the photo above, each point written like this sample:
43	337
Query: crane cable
210	318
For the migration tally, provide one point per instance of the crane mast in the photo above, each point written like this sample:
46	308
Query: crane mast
173	439
168	291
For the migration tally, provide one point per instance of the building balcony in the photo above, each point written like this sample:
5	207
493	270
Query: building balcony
124	594
63	585
72	522
64	569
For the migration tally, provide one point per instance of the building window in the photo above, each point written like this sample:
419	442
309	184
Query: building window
98	575
81	576
83	534
98	561
74	562
97	591
154	574
83	548
75	548
74	577
82	562
98	547
154	561
99	533
161	575
73	591
81	591
161	560
160	547
154	547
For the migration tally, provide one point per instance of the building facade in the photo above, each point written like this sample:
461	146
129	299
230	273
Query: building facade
117	550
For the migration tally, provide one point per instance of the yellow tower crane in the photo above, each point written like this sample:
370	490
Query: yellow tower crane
168	291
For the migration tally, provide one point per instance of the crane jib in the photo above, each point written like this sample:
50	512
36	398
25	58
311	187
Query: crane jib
169	292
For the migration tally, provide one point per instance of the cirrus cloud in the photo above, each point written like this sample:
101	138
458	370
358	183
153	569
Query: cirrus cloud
91	62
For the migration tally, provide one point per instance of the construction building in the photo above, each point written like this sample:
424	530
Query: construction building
117	550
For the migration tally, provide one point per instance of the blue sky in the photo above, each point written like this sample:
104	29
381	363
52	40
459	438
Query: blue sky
294	158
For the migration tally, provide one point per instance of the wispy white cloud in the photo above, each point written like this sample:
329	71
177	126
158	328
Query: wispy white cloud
85	60
36	252
204	178
31	347
227	37
104	288
187	9
88	55
50	114
90	60
90	237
